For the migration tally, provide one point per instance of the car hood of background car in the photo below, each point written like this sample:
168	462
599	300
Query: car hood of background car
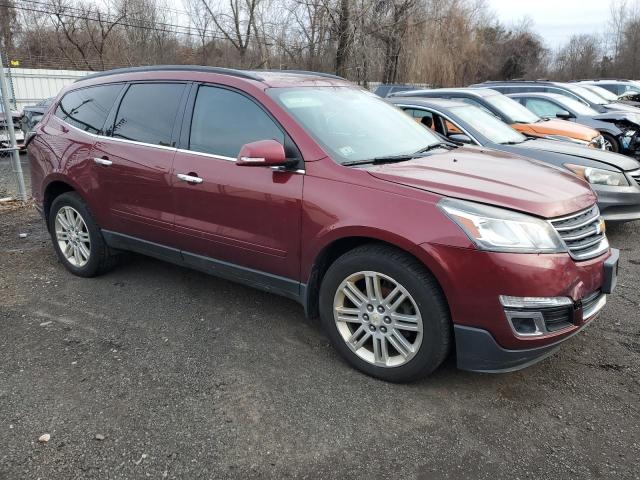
621	107
561	127
618	115
613	159
492	177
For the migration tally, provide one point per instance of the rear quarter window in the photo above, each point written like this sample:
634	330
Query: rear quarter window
87	108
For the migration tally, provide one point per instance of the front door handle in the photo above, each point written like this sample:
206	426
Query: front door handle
185	177
103	161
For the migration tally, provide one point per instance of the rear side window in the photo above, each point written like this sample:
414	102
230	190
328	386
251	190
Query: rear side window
87	109
147	113
223	121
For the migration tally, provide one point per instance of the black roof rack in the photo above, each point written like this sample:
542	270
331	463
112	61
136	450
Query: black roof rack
601	79
164	68
248	74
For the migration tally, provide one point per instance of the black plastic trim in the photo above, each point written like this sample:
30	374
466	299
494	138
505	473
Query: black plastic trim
477	351
611	271
254	278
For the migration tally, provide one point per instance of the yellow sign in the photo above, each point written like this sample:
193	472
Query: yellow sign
14	63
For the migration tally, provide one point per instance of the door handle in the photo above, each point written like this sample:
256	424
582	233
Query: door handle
103	161
189	178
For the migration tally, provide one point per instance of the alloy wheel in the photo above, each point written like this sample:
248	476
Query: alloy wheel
378	319
73	236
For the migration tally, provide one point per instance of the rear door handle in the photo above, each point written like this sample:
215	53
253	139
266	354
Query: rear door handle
189	178
103	161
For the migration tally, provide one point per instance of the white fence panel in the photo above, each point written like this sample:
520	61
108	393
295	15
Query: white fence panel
30	85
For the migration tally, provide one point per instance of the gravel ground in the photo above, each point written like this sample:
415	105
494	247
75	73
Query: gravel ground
182	375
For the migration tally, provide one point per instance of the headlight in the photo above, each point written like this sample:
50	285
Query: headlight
598	176
500	230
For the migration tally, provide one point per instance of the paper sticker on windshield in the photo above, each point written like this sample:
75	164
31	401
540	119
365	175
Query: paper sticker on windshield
346	151
297	101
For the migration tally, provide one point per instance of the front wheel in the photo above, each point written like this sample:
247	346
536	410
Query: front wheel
611	143
385	313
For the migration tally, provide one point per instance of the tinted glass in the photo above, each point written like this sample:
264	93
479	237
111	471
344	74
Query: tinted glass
542	108
223	121
148	112
87	109
511	109
352	124
493	129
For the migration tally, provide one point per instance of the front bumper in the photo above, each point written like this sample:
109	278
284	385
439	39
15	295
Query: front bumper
473	282
619	204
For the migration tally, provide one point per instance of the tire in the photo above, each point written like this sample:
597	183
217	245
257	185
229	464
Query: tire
100	257
613	141
424	309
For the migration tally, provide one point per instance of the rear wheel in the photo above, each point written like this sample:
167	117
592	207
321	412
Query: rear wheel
77	238
385	313
611	143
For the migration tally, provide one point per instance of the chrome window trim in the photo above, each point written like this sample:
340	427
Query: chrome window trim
446	117
181	150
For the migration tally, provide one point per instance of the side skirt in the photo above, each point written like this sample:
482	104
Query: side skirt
254	278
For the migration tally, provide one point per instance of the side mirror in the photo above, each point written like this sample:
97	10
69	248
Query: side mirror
264	153
460	138
563	114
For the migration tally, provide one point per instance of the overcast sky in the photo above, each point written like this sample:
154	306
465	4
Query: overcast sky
556	20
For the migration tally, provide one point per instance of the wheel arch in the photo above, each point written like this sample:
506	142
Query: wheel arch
56	186
337	247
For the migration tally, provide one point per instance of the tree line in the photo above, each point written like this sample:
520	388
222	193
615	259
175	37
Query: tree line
438	42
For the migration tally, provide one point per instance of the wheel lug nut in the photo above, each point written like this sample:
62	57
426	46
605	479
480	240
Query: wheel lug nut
381	309
365	317
387	320
372	328
383	329
370	308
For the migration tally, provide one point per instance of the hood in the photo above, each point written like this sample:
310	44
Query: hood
495	178
617	115
561	127
616	160
621	107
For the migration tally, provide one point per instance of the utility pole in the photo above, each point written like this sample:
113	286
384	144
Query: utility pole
13	146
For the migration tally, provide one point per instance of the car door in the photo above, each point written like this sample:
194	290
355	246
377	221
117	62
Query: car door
134	161
242	219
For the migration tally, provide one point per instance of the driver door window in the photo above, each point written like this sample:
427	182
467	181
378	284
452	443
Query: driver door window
542	108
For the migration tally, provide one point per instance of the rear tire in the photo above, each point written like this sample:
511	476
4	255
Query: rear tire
611	143
77	238
378	331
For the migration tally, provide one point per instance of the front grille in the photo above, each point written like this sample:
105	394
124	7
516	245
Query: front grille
582	233
636	176
590	304
557	318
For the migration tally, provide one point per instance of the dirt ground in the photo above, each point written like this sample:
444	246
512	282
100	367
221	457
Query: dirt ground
182	375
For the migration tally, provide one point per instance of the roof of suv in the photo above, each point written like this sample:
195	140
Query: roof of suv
269	78
428	102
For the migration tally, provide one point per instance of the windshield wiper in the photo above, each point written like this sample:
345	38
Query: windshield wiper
403	157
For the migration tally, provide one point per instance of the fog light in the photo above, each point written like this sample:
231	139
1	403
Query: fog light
526	324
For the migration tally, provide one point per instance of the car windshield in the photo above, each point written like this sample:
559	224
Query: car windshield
603	92
512	109
578	107
588	95
352	124
491	127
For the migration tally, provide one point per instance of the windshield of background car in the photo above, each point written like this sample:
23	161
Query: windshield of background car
512	109
578	107
588	95
494	129
353	124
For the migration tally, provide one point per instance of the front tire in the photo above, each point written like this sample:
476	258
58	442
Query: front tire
611	143
385	313
77	238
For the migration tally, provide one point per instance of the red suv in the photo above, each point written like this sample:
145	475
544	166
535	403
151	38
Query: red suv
406	246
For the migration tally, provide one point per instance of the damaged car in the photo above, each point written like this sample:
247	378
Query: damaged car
619	129
4	130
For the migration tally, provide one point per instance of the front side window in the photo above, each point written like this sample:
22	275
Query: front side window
542	108
352	124
147	113
224	120
87	108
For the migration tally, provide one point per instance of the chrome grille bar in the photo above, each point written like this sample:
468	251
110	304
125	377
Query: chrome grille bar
582	233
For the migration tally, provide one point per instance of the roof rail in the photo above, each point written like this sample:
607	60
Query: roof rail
301	72
164	68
